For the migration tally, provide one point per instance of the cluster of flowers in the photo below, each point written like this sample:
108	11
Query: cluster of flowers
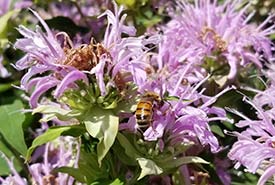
255	146
102	85
61	152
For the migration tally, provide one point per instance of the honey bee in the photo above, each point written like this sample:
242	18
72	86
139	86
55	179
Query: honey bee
144	111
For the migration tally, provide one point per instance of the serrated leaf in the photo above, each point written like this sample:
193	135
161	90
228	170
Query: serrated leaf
103	125
50	112
4	22
51	134
11	121
148	167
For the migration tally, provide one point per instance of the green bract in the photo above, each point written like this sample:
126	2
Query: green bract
103	125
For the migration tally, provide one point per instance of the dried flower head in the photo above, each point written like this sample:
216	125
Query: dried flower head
86	57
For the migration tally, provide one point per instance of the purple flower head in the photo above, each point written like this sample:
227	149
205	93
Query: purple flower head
55	155
255	146
45	54
41	48
56	64
191	123
206	30
182	120
125	57
251	153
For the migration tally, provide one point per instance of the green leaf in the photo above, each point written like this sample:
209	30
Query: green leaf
174	163
50	112
117	182
4	22
217	130
148	22
11	120
74	172
128	147
148	167
53	133
127	106
5	87
103	125
3	43
119	151
74	130
88	165
88	170
4	168
244	178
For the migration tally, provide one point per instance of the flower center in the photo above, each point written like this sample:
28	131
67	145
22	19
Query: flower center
85	57
208	33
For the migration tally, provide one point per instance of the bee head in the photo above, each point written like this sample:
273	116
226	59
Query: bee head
152	96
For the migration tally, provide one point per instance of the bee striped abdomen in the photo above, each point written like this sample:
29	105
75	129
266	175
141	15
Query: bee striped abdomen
144	113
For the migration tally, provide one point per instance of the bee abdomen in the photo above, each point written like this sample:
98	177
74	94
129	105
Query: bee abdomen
144	113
